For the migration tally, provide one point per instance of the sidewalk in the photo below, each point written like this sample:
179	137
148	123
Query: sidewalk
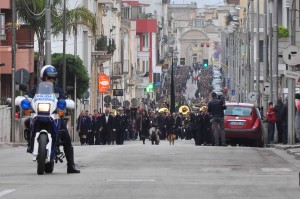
293	150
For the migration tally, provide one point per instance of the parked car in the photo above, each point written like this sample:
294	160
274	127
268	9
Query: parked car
242	123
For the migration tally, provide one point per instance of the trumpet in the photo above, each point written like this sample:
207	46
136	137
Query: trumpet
184	109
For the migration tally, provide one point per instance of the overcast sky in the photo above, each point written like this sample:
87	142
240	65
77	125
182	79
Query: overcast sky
200	3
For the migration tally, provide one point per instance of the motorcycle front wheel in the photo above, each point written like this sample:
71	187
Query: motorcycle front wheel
49	167
42	154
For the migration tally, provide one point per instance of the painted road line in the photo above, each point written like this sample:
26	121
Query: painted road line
5	192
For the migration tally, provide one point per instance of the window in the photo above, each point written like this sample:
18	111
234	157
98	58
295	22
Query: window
145	66
238	111
145	40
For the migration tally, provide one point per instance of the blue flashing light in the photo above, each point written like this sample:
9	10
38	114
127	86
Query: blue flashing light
25	104
61	104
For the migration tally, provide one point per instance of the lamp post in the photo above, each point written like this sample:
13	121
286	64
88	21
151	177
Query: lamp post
172	108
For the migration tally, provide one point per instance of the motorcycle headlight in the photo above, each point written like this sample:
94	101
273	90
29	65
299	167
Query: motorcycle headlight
25	104
43	107
61	104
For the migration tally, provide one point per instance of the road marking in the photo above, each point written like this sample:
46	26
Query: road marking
276	169
5	192
130	180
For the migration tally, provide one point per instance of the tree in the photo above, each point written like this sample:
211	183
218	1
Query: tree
32	12
74	66
283	32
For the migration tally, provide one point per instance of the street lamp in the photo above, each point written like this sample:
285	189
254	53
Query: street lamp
1	65
172	93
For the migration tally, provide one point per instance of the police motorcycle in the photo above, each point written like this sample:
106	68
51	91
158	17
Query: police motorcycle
46	117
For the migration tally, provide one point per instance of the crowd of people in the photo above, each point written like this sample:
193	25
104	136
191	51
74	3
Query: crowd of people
107	128
122	125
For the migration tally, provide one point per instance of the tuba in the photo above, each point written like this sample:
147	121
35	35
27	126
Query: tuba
184	110
163	110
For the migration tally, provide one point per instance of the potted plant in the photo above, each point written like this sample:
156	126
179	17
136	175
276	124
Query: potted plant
111	46
101	44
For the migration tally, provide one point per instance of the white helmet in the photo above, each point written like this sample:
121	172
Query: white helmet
49	71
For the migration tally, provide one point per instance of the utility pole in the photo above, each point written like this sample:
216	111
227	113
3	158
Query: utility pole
172	107
257	57
64	48
270	57
48	32
265	68
252	49
291	81
248	50
275	50
13	70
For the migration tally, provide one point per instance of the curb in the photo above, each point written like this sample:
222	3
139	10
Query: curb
297	156
11	144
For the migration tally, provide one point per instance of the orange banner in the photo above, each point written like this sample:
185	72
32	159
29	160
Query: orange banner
103	83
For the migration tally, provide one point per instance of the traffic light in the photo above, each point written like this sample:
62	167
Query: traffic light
150	88
205	63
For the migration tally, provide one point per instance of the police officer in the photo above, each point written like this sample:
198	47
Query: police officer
216	108
49	74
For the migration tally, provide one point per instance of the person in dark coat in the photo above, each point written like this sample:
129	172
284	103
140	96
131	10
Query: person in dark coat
120	125
116	131
206	126
170	124
84	127
161	121
216	108
284	121
143	125
277	109
194	117
178	124
96	127
106	126
196	124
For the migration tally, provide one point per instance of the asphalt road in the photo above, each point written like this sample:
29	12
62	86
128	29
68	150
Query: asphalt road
142	171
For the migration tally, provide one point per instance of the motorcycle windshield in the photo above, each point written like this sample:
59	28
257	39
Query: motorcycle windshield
45	88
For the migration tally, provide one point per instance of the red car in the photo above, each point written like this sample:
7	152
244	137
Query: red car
242	122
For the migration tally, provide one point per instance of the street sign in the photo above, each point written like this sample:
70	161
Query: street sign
115	102
22	76
117	92
126	103
86	95
233	92
252	96
291	74
266	88
107	99
103	83
134	102
291	55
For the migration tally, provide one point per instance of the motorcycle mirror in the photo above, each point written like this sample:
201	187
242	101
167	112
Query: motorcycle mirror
23	87
70	89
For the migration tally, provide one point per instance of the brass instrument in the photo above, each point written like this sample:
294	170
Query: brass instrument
203	108
163	110
184	109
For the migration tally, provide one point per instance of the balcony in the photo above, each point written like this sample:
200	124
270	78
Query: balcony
106	45
117	71
105	1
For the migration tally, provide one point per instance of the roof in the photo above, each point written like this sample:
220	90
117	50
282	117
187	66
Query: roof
135	3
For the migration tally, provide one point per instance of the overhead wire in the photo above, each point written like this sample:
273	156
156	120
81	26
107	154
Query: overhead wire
32	13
